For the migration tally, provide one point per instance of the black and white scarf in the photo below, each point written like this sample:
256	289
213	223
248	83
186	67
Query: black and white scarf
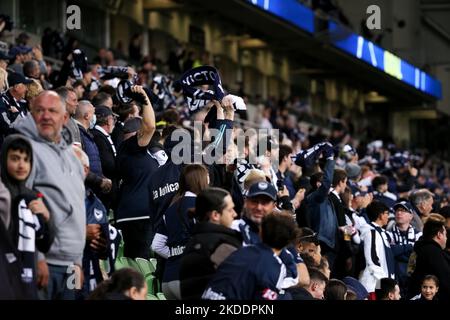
402	238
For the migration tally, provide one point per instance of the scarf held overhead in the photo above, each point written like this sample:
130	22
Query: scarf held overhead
198	98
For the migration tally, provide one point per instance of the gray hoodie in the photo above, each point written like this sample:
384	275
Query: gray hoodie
58	175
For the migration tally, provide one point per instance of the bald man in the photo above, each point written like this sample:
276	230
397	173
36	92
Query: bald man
58	175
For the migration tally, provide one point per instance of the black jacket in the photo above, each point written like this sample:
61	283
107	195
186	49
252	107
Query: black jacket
431	259
298	293
209	245
107	157
108	160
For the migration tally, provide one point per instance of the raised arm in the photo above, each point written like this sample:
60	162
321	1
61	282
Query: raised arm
148	127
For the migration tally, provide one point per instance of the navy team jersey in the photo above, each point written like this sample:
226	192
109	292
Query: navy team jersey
136	165
163	185
96	214
254	272
177	228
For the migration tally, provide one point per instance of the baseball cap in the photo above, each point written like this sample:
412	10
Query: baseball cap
103	111
262	188
357	287
132	125
356	192
16	78
405	205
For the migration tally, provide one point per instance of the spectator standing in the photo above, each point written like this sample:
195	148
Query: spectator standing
58	175
136	165
403	237
377	250
172	236
107	150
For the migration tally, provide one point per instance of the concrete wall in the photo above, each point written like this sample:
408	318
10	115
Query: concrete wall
401	124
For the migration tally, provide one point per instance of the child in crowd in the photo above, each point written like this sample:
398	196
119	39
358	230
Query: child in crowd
29	229
428	289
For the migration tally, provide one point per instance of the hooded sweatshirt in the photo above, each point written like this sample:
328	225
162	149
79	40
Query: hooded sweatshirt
58	175
29	231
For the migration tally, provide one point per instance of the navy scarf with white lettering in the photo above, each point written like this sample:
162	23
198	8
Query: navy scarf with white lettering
202	75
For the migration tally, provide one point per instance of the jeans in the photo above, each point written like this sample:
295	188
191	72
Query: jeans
60	283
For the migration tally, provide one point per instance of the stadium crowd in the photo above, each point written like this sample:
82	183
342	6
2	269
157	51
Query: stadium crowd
91	184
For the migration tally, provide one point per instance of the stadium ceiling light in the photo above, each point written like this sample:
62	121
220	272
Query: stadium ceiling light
375	97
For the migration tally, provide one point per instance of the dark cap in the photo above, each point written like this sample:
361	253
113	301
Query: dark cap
132	125
19	50
262	188
16	78
102	111
357	287
405	205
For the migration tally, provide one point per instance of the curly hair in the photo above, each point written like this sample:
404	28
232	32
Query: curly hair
33	90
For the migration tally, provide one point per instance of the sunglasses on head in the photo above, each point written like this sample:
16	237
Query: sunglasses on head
310	238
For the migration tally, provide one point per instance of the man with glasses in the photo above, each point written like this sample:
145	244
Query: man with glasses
403	236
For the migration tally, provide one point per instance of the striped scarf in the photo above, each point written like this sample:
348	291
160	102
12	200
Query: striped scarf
404	238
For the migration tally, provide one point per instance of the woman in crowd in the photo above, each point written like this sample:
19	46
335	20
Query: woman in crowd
124	284
171	238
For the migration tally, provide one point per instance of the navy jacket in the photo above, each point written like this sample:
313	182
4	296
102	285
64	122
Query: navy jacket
321	211
250	273
90	147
